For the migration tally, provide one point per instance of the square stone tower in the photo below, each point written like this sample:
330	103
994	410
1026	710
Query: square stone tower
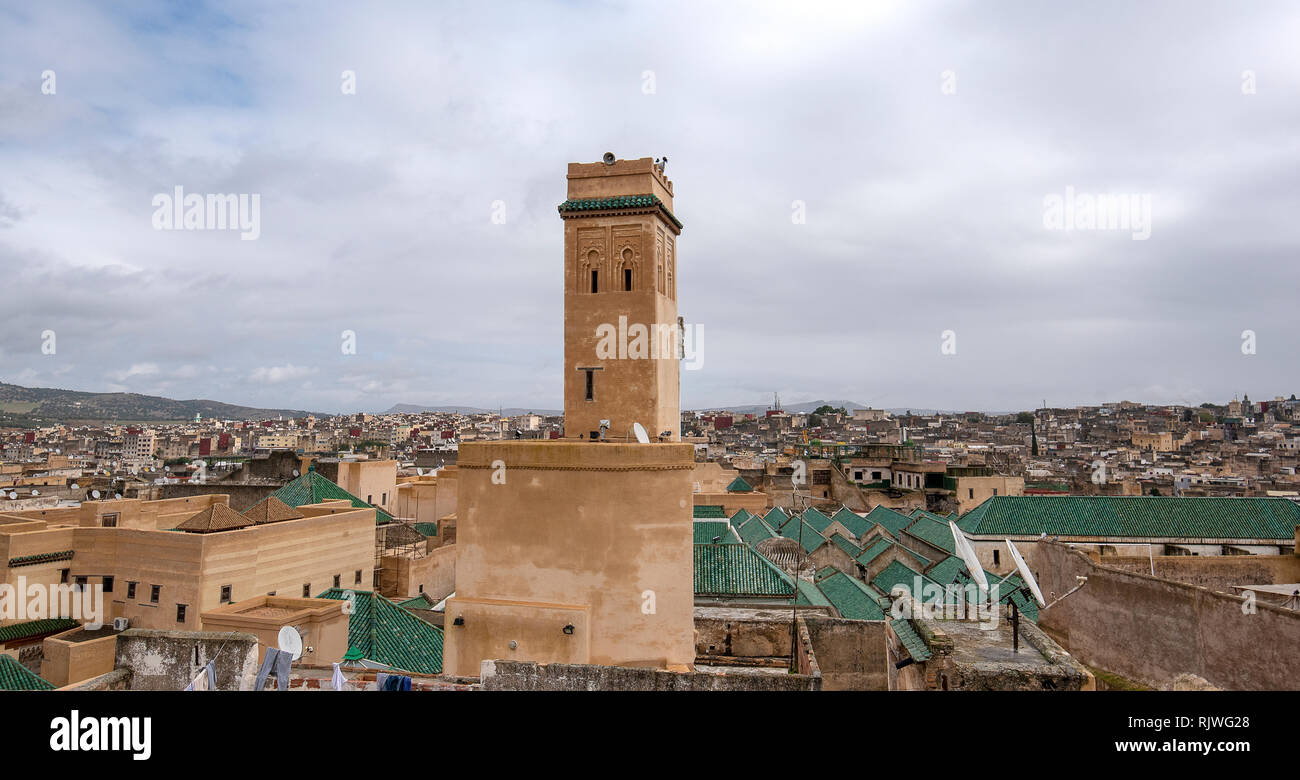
622	339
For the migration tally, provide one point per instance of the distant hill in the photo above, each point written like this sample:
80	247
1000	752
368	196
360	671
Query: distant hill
803	408
27	406
509	411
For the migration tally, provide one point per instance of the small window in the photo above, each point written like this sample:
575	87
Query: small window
108	584
130	590
996	562
370	498
80	583
591	395
383	499
109	520
155	591
594	286
358	580
995	491
971	493
180	613
63	576
627	279
225	594
338	580
306	591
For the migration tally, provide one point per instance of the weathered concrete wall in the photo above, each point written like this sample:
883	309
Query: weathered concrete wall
168	661
1214	572
522	676
116	680
241	496
1151	630
742	632
850	653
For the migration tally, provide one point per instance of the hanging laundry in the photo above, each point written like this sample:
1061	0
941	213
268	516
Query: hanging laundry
277	662
339	681
207	679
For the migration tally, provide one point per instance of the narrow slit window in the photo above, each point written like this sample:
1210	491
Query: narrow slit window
591	396
627	279
594	285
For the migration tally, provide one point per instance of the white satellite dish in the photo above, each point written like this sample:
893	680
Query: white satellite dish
36	492
12	495
638	430
1026	574
94	494
295	472
117	495
290	641
75	486
968	556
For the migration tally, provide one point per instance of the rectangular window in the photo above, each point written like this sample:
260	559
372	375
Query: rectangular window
593	281
180	613
370	498
591	395
971	493
109	521
383	499
154	592
108	584
130	590
338	580
358	580
63	576
995	491
306	590
627	279
225	594
80	583
995	558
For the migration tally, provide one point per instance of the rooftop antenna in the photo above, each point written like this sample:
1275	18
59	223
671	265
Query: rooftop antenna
638	430
290	641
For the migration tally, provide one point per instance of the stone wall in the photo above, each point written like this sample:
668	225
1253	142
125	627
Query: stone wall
241	496
851	654
170	660
525	676
1214	572
1151	630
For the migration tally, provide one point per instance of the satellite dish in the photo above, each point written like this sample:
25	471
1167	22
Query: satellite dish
94	494
295	472
968	556
75	486
12	495
1026	574
290	642
117	495
638	430
36	492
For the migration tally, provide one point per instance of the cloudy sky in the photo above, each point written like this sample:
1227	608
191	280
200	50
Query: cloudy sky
855	180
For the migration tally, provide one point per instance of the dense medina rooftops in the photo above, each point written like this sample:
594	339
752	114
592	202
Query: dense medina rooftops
1143	517
312	488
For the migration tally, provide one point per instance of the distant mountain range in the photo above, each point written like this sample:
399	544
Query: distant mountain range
509	411
26	406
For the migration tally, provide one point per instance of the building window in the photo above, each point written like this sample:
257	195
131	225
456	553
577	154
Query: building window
358	580
627	279
306	590
130	590
109	521
421	588
154	592
180	613
80	583
383	499
108	584
995	491
594	286
591	376
370	498
63	576
996	562
338	580
225	594
971	493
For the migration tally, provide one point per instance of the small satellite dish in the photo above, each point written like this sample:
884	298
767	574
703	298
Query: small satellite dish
36	492
117	495
968	556
638	430
94	494
75	486
295	473
12	495
1026	574
290	642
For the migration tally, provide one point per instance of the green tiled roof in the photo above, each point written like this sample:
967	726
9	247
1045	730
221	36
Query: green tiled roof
754	531
811	596
809	539
910	639
619	202
709	511
896	574
934	532
35	628
739	485
426	529
889	519
849	548
775	517
16	677
46	557
868	555
816	519
708	530
736	570
421	601
387	634
740	518
312	488
857	524
1135	516
851	598
946	571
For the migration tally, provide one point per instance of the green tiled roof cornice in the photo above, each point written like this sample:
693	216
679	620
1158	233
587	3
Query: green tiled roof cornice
619	203
32	560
